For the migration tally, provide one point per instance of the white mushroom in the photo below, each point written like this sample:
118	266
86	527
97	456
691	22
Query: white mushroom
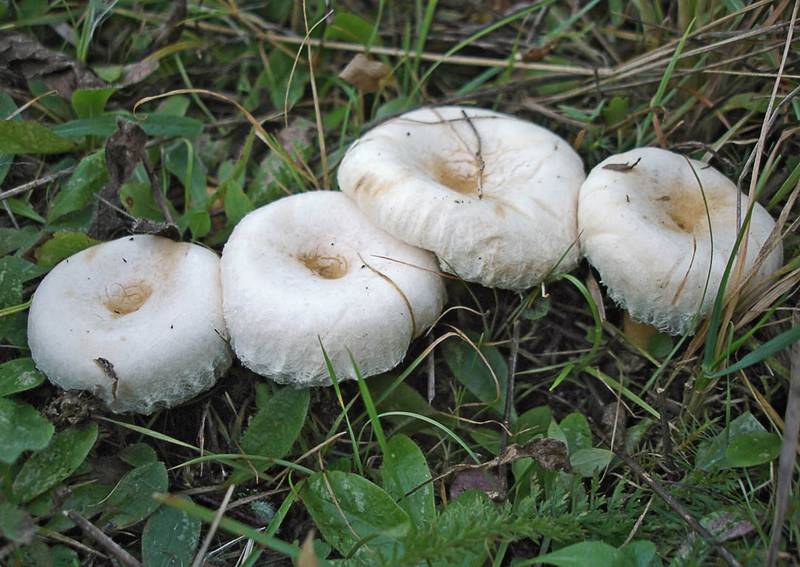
493	196
137	321
644	223
311	269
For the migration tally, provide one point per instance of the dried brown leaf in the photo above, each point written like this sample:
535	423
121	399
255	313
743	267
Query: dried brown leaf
365	74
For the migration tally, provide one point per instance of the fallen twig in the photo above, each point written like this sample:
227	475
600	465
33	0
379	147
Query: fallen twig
103	540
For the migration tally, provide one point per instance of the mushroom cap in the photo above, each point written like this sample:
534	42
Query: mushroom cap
418	176
645	228
149	306
311	268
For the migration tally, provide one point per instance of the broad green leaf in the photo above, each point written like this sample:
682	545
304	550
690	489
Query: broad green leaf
276	425
470	369
616	110
349	510
22	208
183	162
170	538
62	245
138	454
89	103
532	423
7	108
584	554
21	429
16	524
132	499
88	178
22	239
154	125
85	499
137	198
639	553
590	461
405	470
198	222
576	431
19	375
711	455
29	137
56	462
63	556
753	448
348	26
237	203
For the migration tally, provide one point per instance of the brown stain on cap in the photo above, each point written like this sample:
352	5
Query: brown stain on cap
687	211
444	173
330	267
123	299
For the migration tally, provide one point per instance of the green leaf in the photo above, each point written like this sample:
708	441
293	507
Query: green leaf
132	500
470	369
138	454
62	245
12	275
19	375
347	26
532	423
711	455
754	448
28	137
154	125
199	222
89	103
21	429
584	554
85	499
237	203
405	469
63	556
170	538
12	239
590	461
183	162
576	432
88	178
276	425
351	511
21	207
640	553
616	110
16	524
56	462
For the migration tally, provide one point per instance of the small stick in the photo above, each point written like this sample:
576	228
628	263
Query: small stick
103	540
787	457
25	187
512	370
198	560
431	372
678	508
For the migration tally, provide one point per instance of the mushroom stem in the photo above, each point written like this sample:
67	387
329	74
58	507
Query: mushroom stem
637	333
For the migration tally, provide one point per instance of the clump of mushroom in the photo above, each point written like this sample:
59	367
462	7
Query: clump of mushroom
311	271
137	321
659	228
493	196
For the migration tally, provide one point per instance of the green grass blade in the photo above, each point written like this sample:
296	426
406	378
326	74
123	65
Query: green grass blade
436	424
782	341
229	525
